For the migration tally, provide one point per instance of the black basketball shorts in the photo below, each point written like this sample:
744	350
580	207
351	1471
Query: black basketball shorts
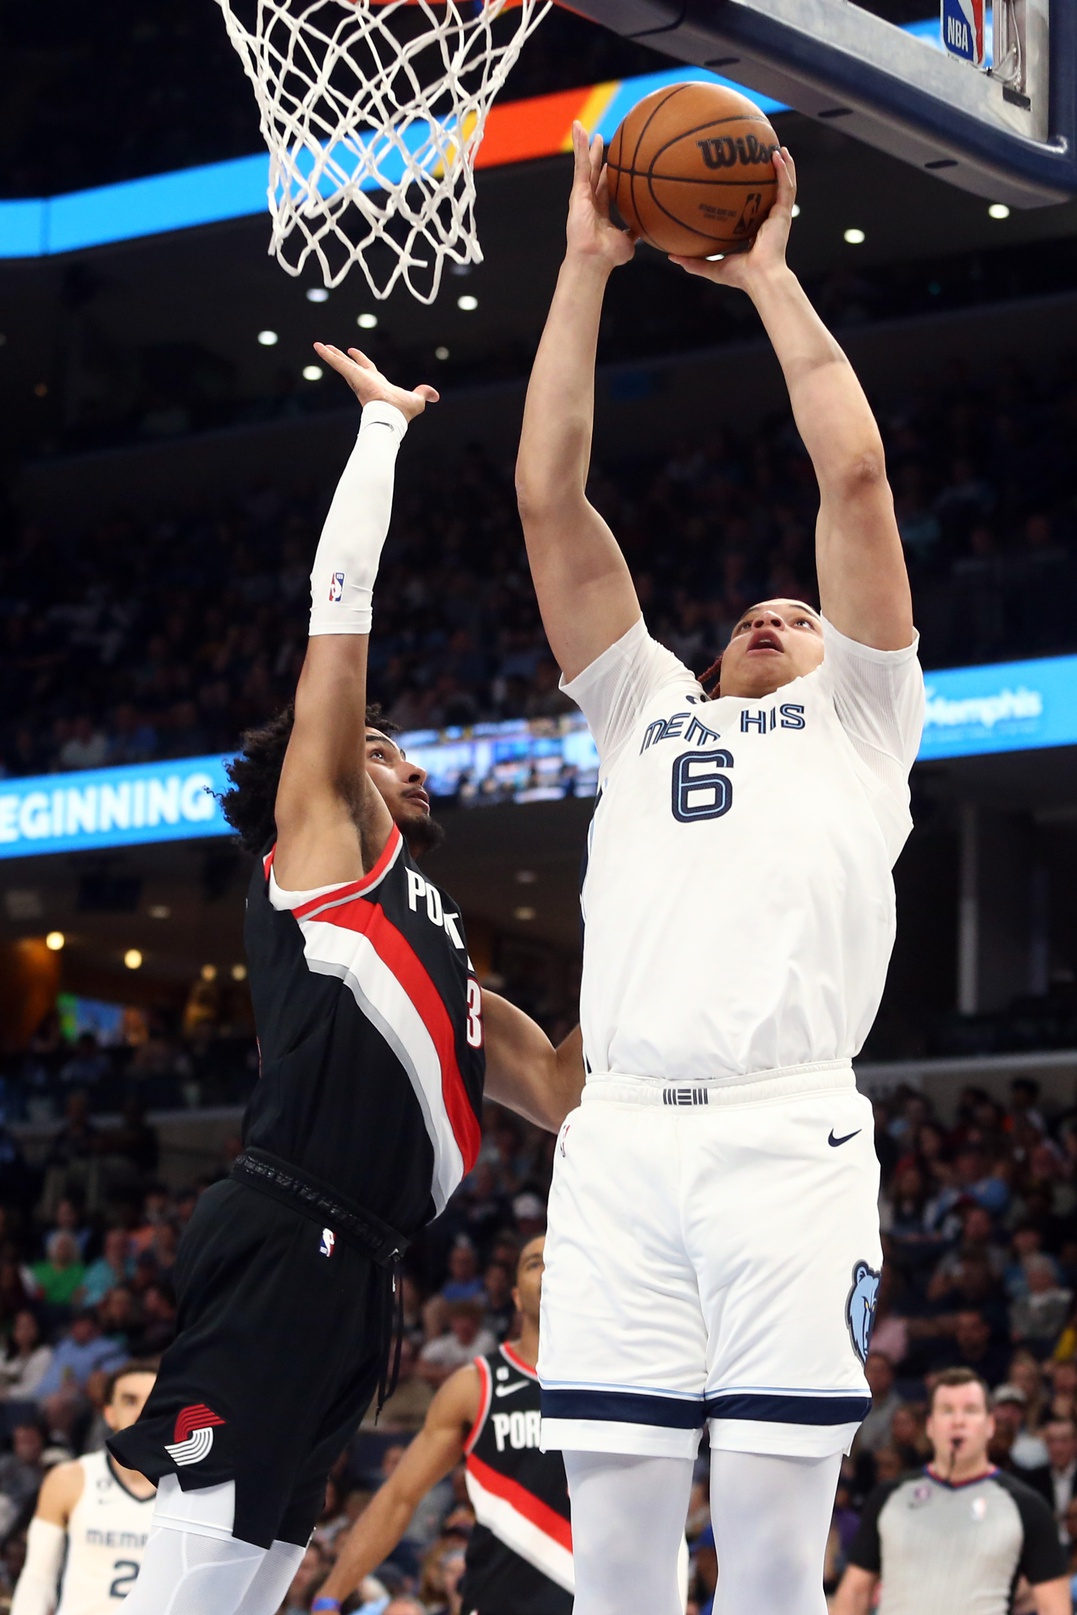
279	1350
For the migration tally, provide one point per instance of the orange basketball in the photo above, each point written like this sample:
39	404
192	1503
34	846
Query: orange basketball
691	169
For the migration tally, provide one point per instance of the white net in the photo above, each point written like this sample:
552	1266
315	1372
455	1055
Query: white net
373	114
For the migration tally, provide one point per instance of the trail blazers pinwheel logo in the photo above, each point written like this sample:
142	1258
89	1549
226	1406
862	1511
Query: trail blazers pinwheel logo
193	1436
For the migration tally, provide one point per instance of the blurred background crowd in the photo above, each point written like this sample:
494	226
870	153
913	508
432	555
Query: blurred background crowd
166	639
980	1241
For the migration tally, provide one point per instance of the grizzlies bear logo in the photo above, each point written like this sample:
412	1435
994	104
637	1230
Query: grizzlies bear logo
860	1308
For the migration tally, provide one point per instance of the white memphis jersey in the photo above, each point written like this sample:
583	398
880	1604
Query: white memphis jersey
106	1537
738	900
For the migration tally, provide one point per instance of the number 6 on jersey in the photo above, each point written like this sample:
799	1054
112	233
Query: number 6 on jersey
699	790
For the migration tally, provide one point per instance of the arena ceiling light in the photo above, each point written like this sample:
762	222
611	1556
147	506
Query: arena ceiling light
855	237
55	941
133	959
239	972
160	911
998	210
317	294
441	353
467	303
367	322
268	339
524	913
313	372
208	972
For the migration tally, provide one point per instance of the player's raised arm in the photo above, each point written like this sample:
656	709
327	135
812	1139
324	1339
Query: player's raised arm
523	1069
863	583
331	822
585	592
435	1451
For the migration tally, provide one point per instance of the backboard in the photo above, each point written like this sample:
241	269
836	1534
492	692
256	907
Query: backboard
1006	131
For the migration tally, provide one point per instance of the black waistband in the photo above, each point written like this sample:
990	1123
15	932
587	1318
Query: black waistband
296	1188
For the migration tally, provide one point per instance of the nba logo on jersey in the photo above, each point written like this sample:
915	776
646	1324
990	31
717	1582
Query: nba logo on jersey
964	29
329	1239
336	588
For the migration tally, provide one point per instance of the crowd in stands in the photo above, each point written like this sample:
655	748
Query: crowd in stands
167	639
980	1242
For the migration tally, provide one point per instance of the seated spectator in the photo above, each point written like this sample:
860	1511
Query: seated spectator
1010	1408
69	1219
530	1216
25	1361
500	1307
80	1350
1037	1318
22	1469
58	1280
87	1065
971	1346
1056	1480
463	1282
977	1245
155	1210
907	1436
465	1339
112	1267
1026	1240
85	747
158	1320
76	1141
406	1409
875	1430
1026	1371
313	1569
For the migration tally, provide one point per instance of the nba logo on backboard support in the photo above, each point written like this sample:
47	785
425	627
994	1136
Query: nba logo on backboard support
964	29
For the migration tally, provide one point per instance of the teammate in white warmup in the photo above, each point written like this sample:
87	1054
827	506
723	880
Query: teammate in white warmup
92	1520
713	1251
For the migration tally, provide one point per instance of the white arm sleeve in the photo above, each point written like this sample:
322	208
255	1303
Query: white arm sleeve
611	692
346	564
35	1593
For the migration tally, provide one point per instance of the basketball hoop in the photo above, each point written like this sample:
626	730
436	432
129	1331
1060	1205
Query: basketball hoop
373	111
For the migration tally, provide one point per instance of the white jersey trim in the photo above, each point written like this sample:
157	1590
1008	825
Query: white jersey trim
520	1534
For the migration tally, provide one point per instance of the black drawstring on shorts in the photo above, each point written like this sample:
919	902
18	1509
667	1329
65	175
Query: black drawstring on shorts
392	1333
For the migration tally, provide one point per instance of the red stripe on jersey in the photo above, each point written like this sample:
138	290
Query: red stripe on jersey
352	888
517	1361
486	1387
533	1509
394	950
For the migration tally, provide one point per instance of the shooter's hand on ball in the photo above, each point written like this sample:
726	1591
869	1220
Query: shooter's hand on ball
591	233
368	384
767	251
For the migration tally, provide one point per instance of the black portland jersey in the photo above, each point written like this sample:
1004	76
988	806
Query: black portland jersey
370	1038
519	1556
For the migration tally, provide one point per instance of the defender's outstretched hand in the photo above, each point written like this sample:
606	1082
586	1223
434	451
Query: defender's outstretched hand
591	232
368	384
767	251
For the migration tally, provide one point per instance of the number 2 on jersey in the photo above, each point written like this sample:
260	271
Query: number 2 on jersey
474	1014
700	791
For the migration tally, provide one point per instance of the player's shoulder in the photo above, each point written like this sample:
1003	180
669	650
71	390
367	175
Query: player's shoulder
62	1487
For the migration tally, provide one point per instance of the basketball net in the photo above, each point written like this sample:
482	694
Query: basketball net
373	113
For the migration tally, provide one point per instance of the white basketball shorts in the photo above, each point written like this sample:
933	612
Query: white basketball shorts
712	1255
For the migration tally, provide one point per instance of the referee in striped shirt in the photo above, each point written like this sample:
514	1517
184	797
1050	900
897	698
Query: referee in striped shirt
959	1536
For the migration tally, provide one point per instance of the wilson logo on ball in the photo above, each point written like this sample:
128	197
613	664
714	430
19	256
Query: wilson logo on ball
725	152
193	1435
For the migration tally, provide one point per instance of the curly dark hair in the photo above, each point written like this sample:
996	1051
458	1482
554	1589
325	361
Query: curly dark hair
255	775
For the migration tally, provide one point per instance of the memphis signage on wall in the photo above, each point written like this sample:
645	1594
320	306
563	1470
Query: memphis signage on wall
970	712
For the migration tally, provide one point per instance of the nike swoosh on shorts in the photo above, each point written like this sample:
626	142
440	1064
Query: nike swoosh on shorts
834	1142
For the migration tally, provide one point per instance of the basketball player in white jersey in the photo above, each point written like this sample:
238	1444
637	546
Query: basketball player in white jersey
85	1542
713	1251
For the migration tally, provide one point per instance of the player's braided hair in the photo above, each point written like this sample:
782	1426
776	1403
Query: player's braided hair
710	680
255	775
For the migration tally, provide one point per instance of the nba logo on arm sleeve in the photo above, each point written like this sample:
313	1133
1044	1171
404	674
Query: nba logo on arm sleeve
860	1308
336	588
328	1243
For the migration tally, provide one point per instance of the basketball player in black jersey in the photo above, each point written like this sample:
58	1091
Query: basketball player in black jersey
519	1556
374	1041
